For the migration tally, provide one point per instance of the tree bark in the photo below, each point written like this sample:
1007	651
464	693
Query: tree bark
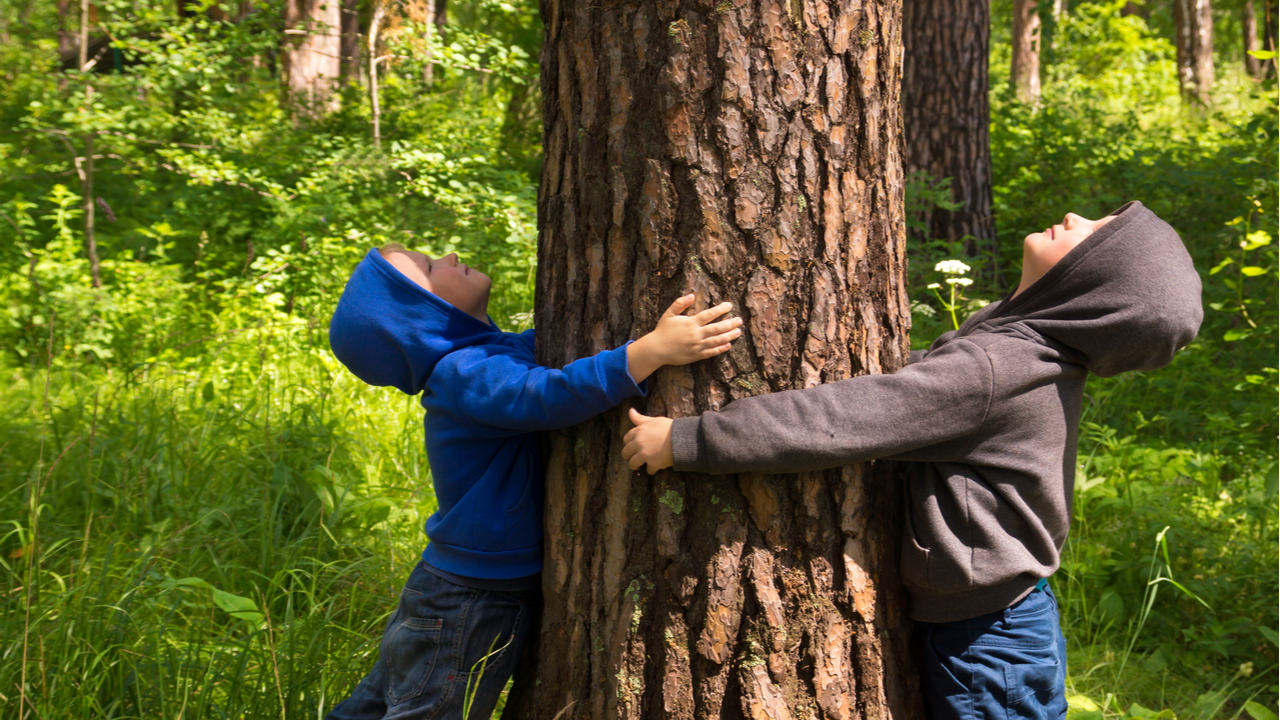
349	44
946	111
750	153
1025	74
1249	31
1193	28
1269	32
440	14
311	55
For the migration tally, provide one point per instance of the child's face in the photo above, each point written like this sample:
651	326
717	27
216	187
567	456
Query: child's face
462	287
1043	250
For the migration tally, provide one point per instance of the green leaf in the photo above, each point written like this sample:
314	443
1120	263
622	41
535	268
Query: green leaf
1234	335
185	582
1252	271
1256	239
207	391
1258	712
1220	265
1263	55
1269	633
238	607
1081	702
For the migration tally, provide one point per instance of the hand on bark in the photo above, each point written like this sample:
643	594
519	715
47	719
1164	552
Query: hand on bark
681	339
648	443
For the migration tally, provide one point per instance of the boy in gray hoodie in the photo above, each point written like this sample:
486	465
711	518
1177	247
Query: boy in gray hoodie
987	419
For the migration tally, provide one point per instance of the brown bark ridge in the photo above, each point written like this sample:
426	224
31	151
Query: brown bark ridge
1025	71
1193	39
311	54
748	151
946	112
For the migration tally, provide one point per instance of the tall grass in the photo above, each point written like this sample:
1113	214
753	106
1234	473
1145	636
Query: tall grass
221	537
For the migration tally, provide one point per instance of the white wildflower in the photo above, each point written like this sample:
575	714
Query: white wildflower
933	286
923	309
964	282
951	267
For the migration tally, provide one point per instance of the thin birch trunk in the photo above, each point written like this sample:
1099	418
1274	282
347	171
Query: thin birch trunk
1025	75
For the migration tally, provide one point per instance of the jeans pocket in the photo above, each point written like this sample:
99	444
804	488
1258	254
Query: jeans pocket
409	651
1034	691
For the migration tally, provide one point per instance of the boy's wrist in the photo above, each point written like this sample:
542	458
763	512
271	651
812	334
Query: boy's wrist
642	360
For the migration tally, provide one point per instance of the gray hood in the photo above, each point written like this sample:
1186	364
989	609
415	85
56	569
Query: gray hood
1127	298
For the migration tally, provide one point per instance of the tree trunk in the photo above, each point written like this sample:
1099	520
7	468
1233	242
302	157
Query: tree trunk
311	54
379	11
1269	32
1249	31
67	39
349	44
748	153
1193	28
1025	74
440	14
946	111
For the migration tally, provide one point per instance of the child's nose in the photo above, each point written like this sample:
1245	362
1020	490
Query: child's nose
452	259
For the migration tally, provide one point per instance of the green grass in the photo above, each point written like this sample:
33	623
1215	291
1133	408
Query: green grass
142	505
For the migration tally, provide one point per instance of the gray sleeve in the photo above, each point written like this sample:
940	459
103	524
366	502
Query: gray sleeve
943	398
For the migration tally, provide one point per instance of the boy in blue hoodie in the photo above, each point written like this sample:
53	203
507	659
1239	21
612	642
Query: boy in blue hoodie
419	324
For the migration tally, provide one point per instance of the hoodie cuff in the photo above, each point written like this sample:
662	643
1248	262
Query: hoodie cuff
688	453
641	388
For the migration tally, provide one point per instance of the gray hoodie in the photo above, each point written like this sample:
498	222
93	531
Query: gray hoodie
987	418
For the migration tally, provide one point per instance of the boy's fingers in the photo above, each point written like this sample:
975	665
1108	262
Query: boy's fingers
680	305
712	352
712	313
723	326
722	338
635	461
637	418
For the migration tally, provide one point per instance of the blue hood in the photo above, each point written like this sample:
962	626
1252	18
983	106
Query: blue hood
388	330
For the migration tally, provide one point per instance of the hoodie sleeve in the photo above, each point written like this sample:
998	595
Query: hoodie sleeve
508	391
943	398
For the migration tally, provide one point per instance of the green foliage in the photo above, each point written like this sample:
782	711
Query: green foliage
206	517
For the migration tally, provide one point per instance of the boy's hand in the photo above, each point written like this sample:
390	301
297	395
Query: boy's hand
648	443
682	339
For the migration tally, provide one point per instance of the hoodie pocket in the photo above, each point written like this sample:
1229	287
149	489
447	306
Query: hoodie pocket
915	562
524	519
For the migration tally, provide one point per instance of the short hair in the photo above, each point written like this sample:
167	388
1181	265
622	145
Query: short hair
389	248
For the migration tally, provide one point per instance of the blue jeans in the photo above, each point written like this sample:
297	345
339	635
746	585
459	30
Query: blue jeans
430	650
1006	665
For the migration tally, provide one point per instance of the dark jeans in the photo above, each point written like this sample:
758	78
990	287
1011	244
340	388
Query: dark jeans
1006	665
431	649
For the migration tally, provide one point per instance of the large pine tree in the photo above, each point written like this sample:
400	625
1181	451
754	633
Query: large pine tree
749	151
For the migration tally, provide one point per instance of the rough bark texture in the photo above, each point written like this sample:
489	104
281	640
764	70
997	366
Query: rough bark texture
1025	74
1193	24
312	54
748	151
946	112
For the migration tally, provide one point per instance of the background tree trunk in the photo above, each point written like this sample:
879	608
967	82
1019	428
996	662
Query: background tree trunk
1025	74
1249	31
946	111
750	153
349	44
1269	35
311	54
1193	23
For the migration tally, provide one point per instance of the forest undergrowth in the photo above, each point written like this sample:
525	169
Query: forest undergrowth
202	515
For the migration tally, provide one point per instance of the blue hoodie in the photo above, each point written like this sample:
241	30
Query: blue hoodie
485	397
